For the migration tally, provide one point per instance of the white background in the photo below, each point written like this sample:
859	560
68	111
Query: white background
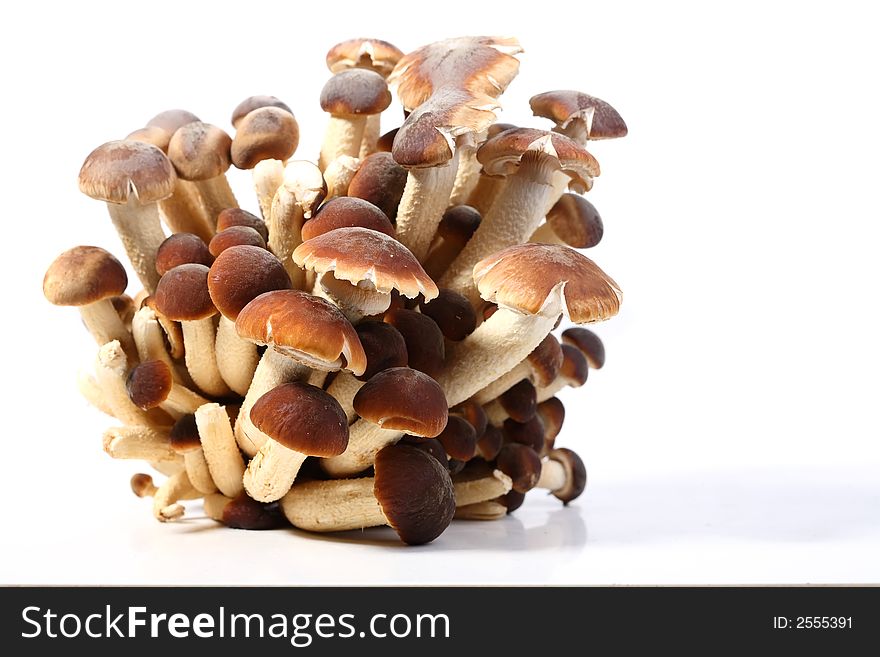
732	436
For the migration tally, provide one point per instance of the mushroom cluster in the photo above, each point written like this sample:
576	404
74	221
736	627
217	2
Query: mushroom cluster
375	347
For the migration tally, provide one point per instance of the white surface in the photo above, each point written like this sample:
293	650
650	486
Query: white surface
732	436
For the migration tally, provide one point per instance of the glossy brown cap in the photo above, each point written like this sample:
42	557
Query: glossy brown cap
142	485
564	106
403	399
521	463
574	368
303	327
576	221
355	92
303	418
185	435
502	154
119	170
473	413
459	438
490	443
182	294
520	401
83	275
589	344
575	474
158	137
526	276
430	445
425	346
453	313
200	151
242	273
172	120
459	223
415	492
244	512
545	360
512	500
182	249
360	254
379	180
252	103
530	433
235	236
346	212
552	414
373	54
386	141
266	133
384	346
149	384
237	217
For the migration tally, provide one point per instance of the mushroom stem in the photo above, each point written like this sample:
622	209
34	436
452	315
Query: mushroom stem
425	198
220	449
215	505
147	443
217	196
149	339
344	387
111	370
183	211
545	235
105	325
271	473
343	137
317	378
236	358
338	176
488	510
168	468
272	370
365	439
486	191
198	472
488	487
92	392
544	393
285	222
553	475
503	383
370	140
354	505
355	301
468	174
267	176
495	413
165	506
142	485
141	233
182	400
201	362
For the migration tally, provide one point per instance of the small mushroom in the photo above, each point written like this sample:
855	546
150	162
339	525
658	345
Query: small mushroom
252	103
151	384
182	249
573	373
379	180
425	346
457	226
241	512
540	367
111	371
563	474
186	442
150	340
529	433
519	402
459	439
347	212
235	236
578	115
237	217
522	464
490	443
572	220
552	414
589	344
453	313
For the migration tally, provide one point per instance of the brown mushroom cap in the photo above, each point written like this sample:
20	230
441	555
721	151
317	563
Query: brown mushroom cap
552	414
264	134
430	445
347	212
149	384
588	343
530	433
522	277
84	275
125	307
172	120
153	134
545	360
512	500
425	347
520	401
199	151
379	180
521	463
244	512
252	103
304	327
242	273
361	254
415	492
384	346
303	418
237	217
501	155
575	474
182	294
459	438
403	399
142	484
453	313
574	368
373	54
355	92
459	223
564	106
490	443
182	249
473	413
235	236
386	142
117	170
576	221
185	434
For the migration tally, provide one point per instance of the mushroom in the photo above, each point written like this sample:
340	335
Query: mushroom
474	414
379	180
165	500
574	372
347	212
339	174
186	442
237	217
151	384
239	275
540	367
131	177
552	414
182	249
235	236
241	512
149	338
529	157
479	484
490	443
173	334
360	267
450	89
589	344
529	283
302	331
265	139
425	346
410	491
90	390
139	442
529	433
182	295
563	474
111	370
225	464
459	439
456	227
349	97
488	186
252	103
88	277
142	485
572	220
519	402
299	195
453	313
395	401
522	464
297	420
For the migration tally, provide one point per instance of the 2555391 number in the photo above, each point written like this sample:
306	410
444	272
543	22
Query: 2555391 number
813	623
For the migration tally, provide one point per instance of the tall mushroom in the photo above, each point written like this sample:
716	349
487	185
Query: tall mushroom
131	177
